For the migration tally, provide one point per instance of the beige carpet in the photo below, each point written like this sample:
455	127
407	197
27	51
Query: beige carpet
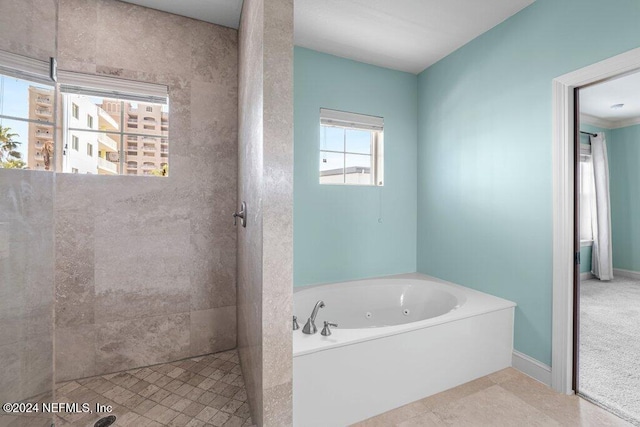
609	371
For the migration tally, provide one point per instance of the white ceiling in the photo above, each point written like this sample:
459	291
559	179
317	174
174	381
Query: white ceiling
596	101
221	12
406	35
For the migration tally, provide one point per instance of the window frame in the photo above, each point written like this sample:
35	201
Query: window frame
44	73
361	122
116	92
36	72
123	145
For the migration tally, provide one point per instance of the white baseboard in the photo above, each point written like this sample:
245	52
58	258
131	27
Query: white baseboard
532	367
626	273
586	276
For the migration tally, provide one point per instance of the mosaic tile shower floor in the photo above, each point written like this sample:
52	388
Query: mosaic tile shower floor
202	391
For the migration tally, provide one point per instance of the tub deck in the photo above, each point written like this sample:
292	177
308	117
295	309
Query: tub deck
358	373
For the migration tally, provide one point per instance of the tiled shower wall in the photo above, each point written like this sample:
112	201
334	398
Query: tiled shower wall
265	247
26	233
250	136
145	267
26	284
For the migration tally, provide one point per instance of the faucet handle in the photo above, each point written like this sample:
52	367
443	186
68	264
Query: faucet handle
295	323
326	331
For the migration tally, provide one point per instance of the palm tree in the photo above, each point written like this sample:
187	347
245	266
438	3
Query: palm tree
13	164
47	151
163	171
8	147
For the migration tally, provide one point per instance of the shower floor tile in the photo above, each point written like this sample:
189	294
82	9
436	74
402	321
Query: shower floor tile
202	391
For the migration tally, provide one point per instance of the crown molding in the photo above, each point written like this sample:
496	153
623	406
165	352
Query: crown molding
588	119
626	122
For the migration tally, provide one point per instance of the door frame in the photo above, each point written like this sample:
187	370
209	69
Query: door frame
562	342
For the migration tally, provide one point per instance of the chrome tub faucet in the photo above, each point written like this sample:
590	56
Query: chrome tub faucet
310	326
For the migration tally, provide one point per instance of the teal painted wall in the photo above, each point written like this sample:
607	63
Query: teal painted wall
585	259
623	149
350	232
484	152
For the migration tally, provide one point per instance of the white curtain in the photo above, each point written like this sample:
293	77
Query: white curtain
601	254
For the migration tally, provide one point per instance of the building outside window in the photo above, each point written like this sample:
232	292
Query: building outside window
118	122
28	120
125	145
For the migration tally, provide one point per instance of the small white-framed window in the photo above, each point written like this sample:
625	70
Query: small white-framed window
75	143
90	150
89	121
75	111
74	170
149	109
351	148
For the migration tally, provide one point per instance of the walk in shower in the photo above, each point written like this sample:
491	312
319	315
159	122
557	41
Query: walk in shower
121	282
117	248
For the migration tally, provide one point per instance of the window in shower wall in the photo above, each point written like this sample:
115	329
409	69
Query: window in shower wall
99	115
127	122
27	113
351	148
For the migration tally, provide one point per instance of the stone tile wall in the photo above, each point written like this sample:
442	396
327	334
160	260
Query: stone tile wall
250	136
26	233
26	284
146	267
265	257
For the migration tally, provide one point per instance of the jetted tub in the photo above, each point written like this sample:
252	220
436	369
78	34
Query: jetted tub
399	339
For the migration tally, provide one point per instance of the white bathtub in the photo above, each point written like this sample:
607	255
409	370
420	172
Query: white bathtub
399	339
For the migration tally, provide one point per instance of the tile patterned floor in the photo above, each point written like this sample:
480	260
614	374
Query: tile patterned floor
505	398
209	391
203	391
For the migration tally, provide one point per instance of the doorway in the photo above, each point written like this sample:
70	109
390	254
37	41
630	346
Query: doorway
565	130
607	245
